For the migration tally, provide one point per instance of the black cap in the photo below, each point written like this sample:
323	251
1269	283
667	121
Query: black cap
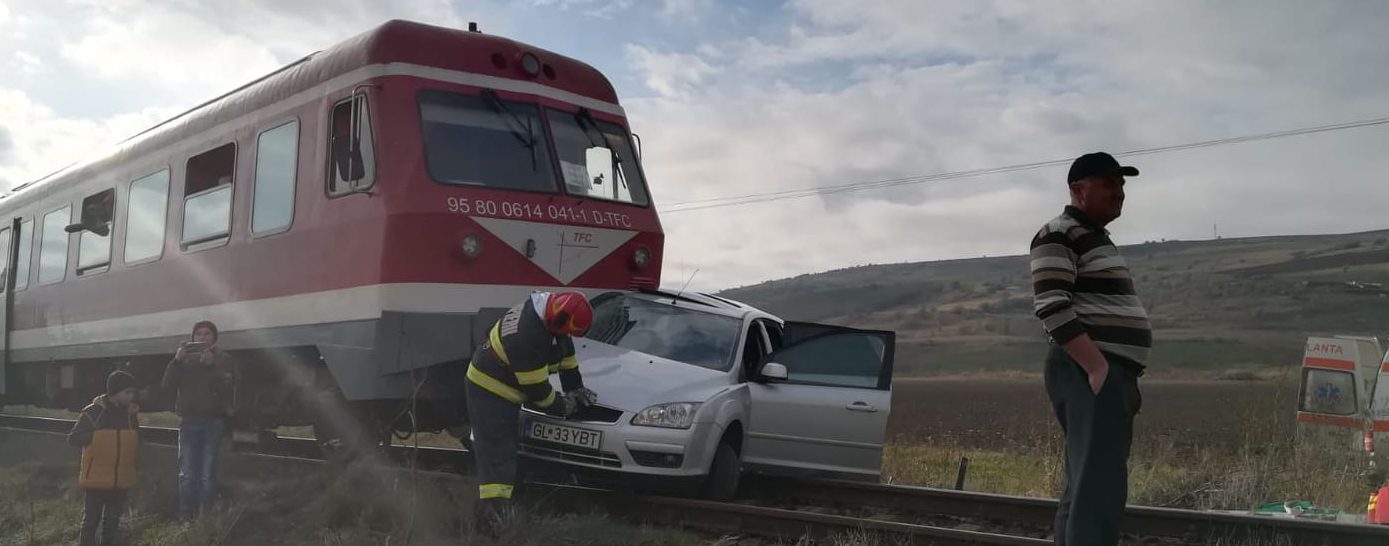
119	381
1097	164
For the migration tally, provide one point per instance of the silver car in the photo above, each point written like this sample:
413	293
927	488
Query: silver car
696	390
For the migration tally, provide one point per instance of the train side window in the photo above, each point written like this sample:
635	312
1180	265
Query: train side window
144	217
53	246
26	248
208	196
351	154
4	258
277	153
94	243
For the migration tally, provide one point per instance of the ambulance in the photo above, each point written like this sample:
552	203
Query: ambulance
1343	398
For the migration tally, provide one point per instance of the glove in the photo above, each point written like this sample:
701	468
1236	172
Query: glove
564	405
584	396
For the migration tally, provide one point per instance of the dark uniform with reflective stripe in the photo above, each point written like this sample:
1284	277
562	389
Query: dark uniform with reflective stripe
513	367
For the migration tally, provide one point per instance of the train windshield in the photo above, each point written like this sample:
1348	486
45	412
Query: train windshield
596	158
481	140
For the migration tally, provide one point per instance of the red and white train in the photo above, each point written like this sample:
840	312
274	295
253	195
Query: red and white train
352	223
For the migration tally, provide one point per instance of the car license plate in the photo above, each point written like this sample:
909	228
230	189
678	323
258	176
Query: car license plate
571	436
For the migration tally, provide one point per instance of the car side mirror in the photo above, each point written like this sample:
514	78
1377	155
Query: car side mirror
772	370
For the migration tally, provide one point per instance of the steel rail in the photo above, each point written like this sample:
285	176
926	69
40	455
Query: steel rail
1188	525
707	516
1191	525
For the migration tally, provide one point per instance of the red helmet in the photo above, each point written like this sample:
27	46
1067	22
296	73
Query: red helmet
568	313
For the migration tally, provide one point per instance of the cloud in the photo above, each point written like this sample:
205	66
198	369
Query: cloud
848	92
685	10
819	93
169	48
41	142
220	47
6	145
28	62
162	57
602	9
669	74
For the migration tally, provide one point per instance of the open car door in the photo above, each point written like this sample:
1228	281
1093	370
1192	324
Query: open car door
829	414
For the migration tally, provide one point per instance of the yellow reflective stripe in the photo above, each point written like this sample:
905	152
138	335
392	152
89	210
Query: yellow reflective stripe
547	401
533	377
495	387
553	368
495	338
569	363
494	491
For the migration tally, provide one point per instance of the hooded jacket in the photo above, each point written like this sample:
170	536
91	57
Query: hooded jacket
108	435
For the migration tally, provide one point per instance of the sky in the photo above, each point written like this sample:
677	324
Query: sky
733	98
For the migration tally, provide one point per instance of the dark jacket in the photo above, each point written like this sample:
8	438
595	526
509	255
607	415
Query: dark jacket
519	355
108	435
205	391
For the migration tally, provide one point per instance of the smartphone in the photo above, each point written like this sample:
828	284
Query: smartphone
195	346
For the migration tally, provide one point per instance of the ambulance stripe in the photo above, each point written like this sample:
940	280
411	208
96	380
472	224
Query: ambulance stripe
1332	420
1329	363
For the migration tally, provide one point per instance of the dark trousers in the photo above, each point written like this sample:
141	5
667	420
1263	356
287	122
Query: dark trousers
103	511
1099	432
199	447
495	427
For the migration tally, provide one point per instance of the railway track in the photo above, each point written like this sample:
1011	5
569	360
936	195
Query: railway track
786	508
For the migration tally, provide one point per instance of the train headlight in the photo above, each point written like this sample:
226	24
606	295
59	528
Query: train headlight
641	258
471	247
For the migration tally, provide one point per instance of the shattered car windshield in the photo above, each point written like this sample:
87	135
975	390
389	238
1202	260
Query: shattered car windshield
682	334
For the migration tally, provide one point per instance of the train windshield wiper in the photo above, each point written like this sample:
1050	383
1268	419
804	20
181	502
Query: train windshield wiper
522	131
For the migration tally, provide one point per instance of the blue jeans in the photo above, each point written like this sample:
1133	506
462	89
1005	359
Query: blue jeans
199	445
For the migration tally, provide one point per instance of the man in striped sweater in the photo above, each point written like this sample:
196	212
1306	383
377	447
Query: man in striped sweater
1100	338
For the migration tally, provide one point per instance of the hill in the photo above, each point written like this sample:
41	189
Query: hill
1216	305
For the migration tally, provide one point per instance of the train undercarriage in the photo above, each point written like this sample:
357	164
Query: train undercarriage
283	390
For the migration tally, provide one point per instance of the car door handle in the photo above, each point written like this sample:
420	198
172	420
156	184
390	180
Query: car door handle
861	406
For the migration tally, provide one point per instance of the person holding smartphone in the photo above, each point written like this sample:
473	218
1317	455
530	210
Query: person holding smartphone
203	378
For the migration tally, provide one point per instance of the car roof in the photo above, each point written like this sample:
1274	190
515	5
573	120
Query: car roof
700	301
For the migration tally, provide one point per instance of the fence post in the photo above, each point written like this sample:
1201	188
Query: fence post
960	474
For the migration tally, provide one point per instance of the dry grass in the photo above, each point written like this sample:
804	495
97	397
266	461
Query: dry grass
40	506
1248	455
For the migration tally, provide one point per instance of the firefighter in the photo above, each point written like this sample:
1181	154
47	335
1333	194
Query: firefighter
511	368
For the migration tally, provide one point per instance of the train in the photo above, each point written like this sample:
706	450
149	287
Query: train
352	222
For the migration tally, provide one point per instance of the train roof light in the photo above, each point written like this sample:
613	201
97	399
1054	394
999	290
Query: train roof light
530	64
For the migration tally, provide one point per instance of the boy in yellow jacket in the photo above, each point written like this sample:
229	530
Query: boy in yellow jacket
107	433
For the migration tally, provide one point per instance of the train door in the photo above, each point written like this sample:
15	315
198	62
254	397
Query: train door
10	254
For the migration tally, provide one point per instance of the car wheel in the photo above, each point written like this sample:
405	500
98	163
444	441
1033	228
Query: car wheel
722	482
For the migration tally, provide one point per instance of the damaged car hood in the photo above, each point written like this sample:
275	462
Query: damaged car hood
632	381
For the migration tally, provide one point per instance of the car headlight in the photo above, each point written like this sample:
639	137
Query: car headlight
676	415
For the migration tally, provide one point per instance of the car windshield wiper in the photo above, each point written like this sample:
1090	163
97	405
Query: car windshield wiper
612	330
523	131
